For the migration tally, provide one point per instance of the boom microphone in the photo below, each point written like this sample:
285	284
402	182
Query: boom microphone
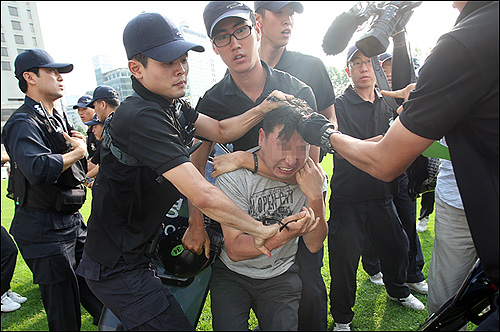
339	33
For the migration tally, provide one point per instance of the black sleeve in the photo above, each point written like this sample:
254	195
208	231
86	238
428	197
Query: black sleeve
448	87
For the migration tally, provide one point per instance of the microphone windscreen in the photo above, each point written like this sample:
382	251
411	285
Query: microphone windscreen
339	34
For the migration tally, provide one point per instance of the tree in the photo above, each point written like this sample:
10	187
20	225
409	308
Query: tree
340	80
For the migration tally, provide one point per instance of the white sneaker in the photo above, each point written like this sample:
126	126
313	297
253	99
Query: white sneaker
16	297
410	302
419	287
422	224
342	327
8	305
377	279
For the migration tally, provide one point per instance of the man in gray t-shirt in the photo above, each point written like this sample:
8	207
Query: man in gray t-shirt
243	277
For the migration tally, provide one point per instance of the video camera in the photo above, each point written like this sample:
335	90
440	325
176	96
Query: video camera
386	18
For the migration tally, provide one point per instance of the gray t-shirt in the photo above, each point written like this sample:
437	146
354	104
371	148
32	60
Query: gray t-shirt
259	197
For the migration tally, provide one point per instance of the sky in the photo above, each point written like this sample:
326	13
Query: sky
75	31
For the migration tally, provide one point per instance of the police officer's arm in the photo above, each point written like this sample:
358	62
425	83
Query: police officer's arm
230	129
239	247
196	238
78	149
216	205
384	160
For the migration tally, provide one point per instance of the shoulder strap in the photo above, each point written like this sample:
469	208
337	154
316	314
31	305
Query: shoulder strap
121	156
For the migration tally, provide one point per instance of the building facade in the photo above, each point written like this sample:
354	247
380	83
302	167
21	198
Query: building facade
203	66
20	31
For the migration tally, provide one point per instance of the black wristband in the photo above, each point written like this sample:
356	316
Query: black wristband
256	163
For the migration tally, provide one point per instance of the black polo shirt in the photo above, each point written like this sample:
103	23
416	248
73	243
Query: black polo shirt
360	119
312	72
225	100
128	204
457	97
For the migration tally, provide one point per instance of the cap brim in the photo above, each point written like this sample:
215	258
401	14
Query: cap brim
62	68
171	51
91	104
275	6
243	14
80	105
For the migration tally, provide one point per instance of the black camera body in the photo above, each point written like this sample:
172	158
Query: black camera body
391	17
385	20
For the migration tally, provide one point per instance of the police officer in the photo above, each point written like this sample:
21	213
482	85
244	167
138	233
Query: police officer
86	114
45	183
144	165
104	101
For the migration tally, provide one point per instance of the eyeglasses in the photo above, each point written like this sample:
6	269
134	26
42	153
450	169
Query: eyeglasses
358	64
239	34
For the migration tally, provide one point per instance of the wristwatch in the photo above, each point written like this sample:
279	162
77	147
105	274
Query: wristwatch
325	139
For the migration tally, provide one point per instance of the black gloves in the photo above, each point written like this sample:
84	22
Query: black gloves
312	127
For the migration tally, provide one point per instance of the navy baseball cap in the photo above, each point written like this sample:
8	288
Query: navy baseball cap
38	58
351	52
155	36
384	57
216	11
83	101
103	92
94	121
275	6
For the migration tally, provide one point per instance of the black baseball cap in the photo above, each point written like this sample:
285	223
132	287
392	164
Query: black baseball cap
38	58
351	52
384	57
94	121
216	11
275	6
103	92
155	36
83	102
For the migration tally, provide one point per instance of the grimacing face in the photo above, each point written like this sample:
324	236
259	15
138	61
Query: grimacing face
284	159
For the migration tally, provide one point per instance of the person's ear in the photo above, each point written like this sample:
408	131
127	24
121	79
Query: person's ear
29	77
136	68
348	72
215	49
262	136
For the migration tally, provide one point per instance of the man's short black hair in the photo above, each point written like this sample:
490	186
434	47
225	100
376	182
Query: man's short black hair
23	85
287	115
113	102
141	58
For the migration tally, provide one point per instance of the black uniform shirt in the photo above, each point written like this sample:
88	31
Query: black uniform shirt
128	203
312	72
361	119
457	97
93	147
225	100
29	147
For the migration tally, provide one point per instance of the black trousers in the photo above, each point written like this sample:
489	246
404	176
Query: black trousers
9	257
349	225
61	290
135	295
313	304
407	212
